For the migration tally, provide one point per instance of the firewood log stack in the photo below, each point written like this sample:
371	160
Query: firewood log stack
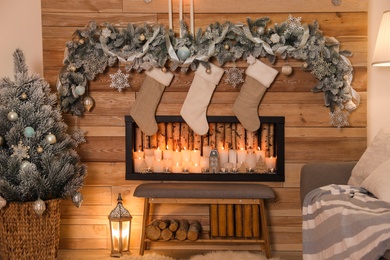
168	229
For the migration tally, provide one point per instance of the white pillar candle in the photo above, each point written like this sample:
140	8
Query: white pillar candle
223	156
204	162
158	166
241	155
250	160
138	154
196	168
232	156
186	164
176	168
167	154
170	13
158	154
168	163
185	155
260	154
138	164
149	152
206	150
195	156
270	162
176	156
149	159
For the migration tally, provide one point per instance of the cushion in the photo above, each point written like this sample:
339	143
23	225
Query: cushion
376	153
378	182
204	190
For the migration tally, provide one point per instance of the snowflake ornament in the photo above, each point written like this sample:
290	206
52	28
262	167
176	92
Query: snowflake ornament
20	151
321	68
251	60
275	38
339	118
106	32
234	76
119	80
95	65
294	24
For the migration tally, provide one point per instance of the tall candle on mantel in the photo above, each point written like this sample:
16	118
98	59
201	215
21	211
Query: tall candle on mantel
270	162
223	156
158	166
138	154
176	156
167	154
158	154
232	156
206	150
176	168
260	154
241	155
185	155
195	156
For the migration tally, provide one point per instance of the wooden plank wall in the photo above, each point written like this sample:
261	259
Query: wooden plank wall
309	137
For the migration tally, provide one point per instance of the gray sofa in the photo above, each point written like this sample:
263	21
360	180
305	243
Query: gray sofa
315	175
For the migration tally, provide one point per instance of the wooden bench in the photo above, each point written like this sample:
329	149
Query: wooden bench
207	193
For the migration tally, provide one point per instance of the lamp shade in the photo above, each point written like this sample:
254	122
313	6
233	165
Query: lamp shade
382	47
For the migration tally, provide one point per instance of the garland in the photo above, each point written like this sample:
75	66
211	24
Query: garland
141	47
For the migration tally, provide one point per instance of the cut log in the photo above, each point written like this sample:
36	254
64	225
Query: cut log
166	234
222	228
264	139
174	225
212	130
153	232
161	136
228	136
164	223
230	220
220	136
181	233
240	136
238	218
256	220
247	217
194	230
214	220
176	136
169	132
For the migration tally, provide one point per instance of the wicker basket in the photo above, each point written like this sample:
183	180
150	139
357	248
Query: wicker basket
24	235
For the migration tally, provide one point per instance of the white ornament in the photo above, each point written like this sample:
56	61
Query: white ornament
3	202
119	80
20	151
286	69
234	76
39	206
12	116
251	60
275	38
339	118
260	30
51	139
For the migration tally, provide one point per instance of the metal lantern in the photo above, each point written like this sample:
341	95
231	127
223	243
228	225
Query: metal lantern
120	228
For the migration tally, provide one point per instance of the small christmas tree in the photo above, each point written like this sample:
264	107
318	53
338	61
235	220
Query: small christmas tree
38	160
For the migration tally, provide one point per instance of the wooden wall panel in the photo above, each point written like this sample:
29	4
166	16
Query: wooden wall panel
309	137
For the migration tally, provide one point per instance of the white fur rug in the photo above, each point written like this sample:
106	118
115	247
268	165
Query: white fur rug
225	255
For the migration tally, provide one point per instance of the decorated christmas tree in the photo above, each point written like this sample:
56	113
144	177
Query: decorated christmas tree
38	160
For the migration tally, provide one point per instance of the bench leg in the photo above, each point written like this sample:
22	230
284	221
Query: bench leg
145	218
264	229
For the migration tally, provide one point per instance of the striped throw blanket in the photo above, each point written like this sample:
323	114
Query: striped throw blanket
344	222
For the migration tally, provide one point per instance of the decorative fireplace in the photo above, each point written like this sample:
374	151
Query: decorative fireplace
176	153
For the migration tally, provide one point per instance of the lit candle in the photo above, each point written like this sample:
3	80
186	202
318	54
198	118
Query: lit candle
195	156
185	155
158	154
186	164
167	154
168	163
158	166
196	168
149	159
233	156
241	155
176	156
192	16
260	154
176	168
270	162
138	154
223	156
206	150
204	162
138	164
170	13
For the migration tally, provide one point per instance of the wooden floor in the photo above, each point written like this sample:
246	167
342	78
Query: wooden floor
177	254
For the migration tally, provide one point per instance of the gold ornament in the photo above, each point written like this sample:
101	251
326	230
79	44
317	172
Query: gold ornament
260	30
24	164
305	65
163	69
287	69
12	116
88	103
142	37
346	77
72	68
208	71
81	41
39	149
23	96
51	139
226	46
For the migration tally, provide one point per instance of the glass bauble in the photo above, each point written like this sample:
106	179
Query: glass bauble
51	139
77	199
12	116
88	103
80	90
29	131
183	53
39	206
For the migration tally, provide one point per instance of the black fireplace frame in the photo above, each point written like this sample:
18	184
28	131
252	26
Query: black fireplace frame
277	176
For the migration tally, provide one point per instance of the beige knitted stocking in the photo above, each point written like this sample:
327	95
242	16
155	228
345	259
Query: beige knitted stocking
198	98
259	77
144	108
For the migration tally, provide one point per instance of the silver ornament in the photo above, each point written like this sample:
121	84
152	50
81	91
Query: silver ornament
260	30
51	139
39	206
24	164
2	141
3	202
77	199
12	116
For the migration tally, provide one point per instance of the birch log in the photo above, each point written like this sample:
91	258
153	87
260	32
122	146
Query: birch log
181	233
153	232
234	136
176	136
220	136
194	230
271	139
174	225
228	136
264	138
240	139
212	132
184	134
167	234
161	136
138	146
169	132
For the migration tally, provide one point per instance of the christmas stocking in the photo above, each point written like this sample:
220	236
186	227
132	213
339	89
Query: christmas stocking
144	108
198	98
259	77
